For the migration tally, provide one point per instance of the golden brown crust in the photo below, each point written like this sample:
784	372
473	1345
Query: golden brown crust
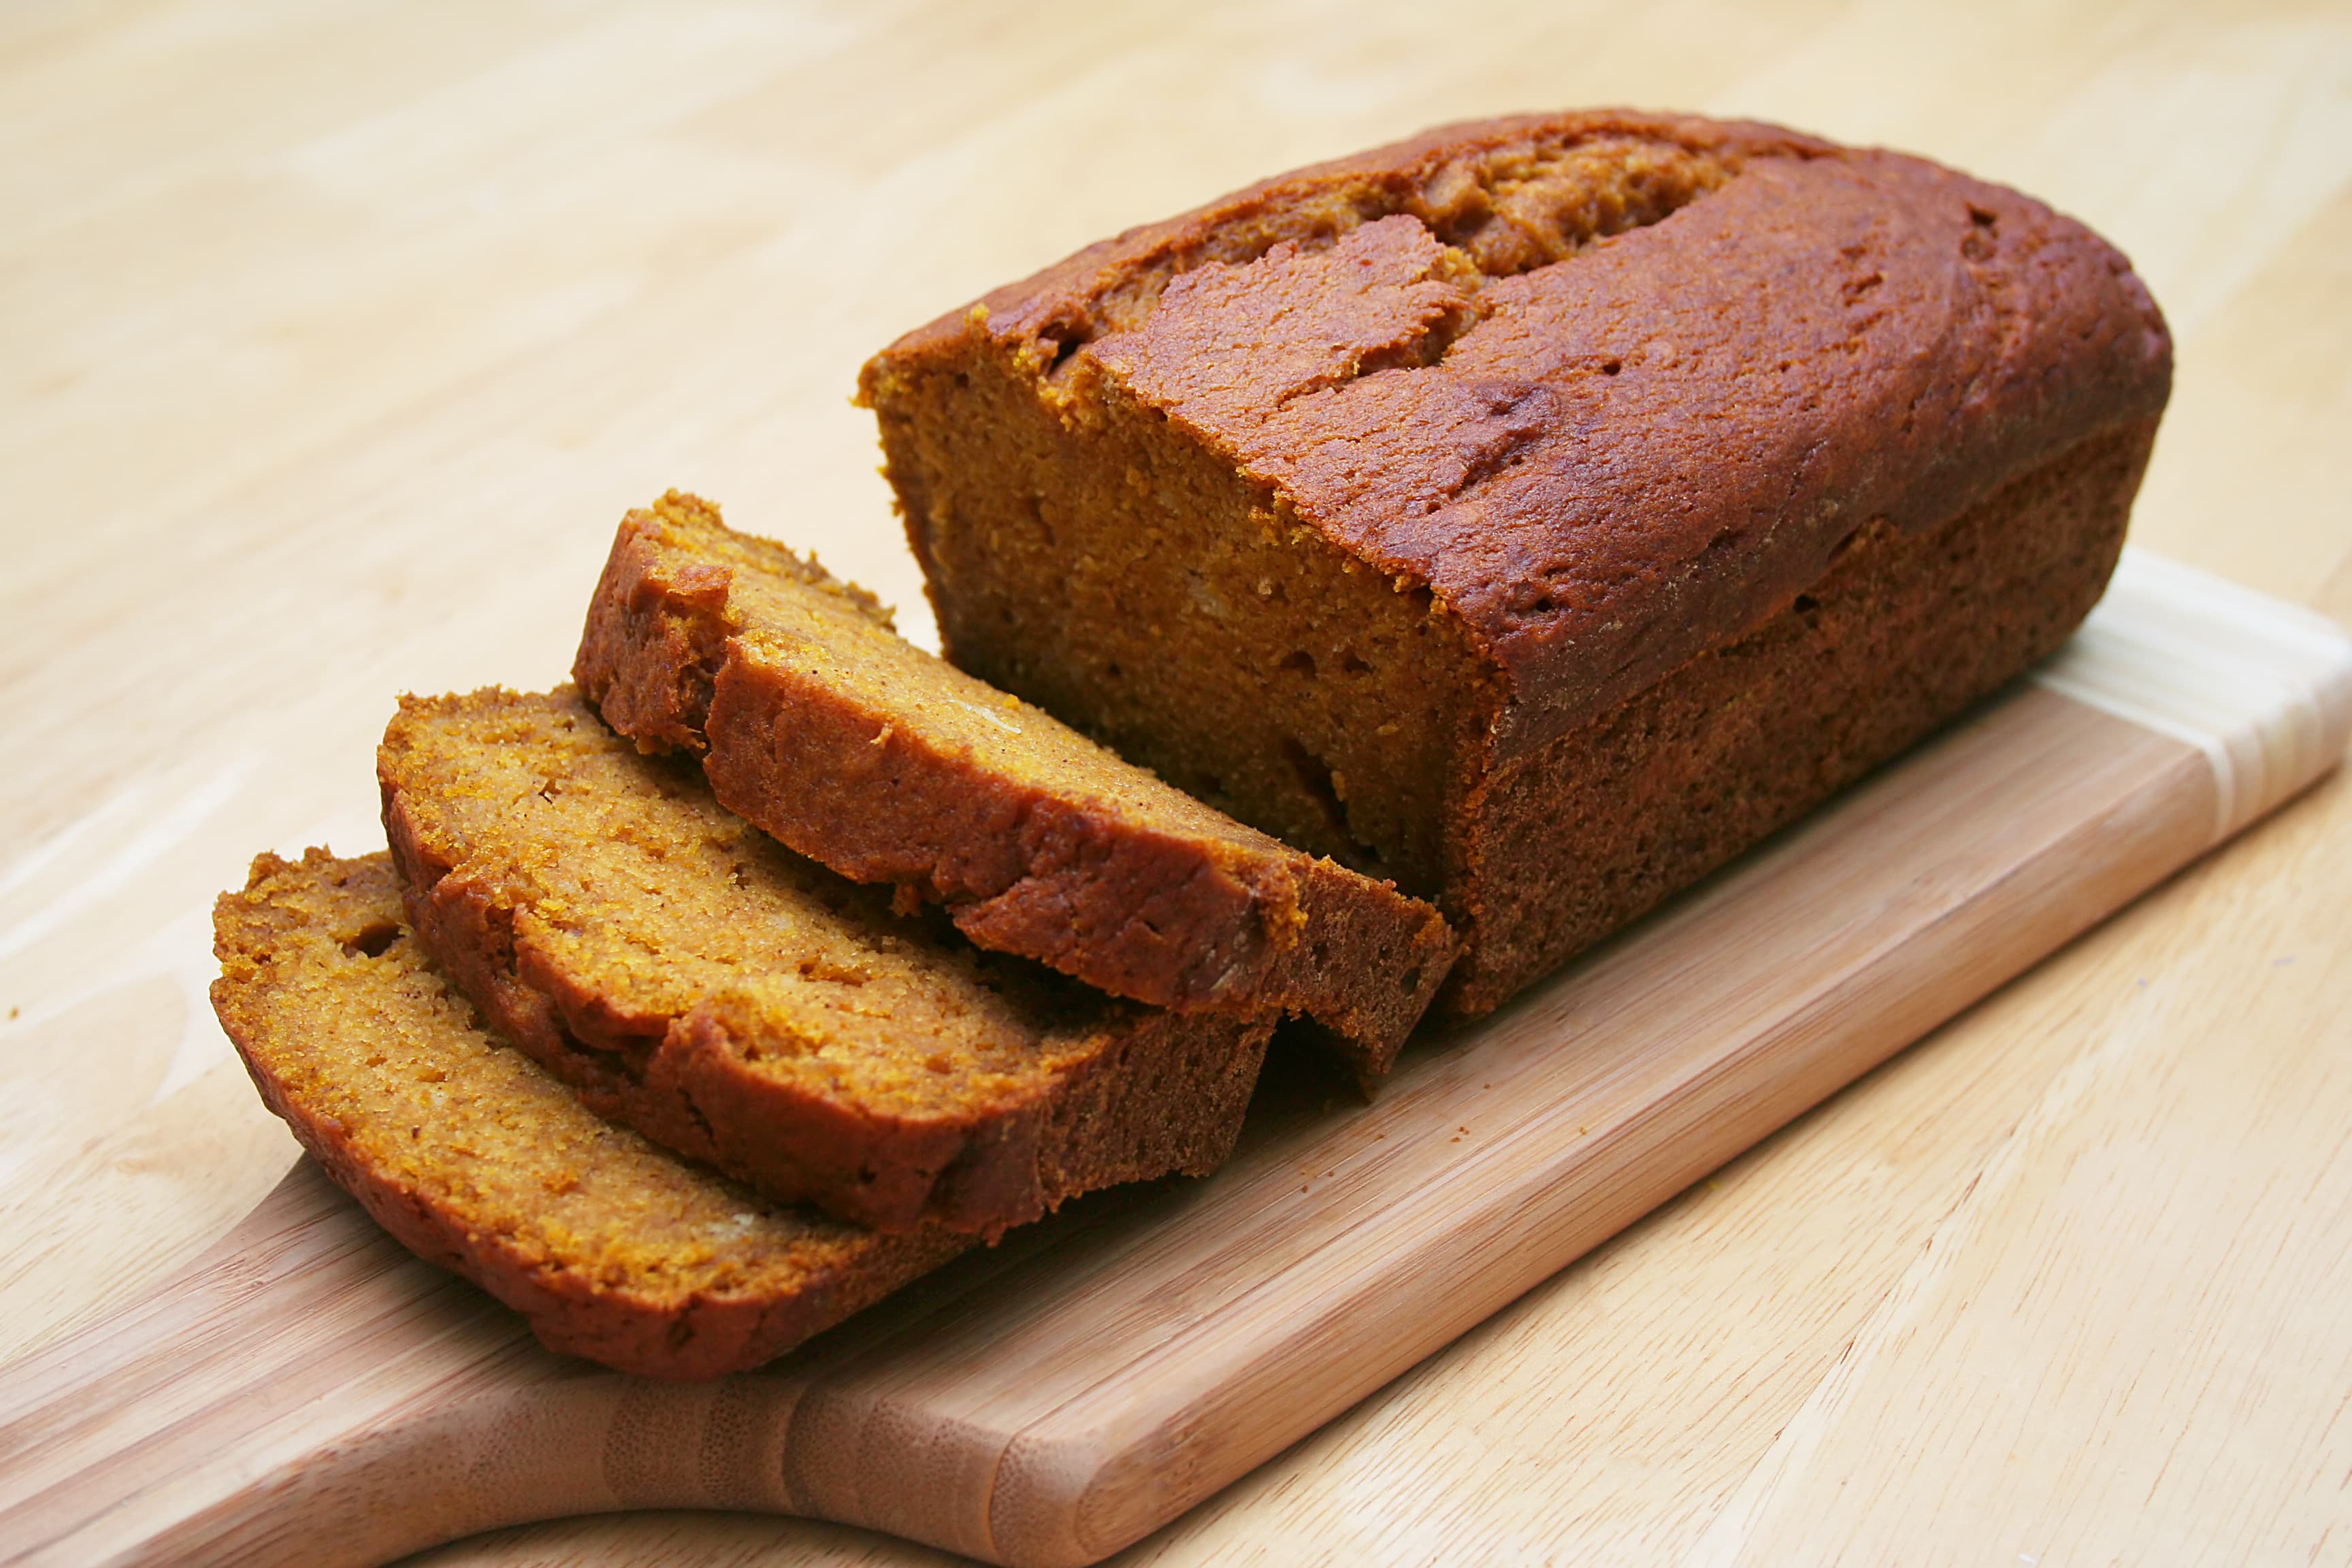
1902	635
749	1008
1720	351
478	1161
817	723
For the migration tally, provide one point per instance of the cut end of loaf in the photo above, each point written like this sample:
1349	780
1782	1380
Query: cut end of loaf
890	766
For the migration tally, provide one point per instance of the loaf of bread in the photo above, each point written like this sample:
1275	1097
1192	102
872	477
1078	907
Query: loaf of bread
1535	512
750	1008
478	1160
818	722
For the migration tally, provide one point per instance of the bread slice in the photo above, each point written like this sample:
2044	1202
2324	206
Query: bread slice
819	723
750	1008
478	1160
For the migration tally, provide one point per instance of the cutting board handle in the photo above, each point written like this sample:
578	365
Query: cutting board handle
288	1401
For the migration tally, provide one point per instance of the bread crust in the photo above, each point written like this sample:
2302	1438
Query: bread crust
1605	463
1901	636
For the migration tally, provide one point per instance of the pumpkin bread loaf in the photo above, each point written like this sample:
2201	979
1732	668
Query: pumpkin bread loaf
750	1008
816	721
1538	512
478	1160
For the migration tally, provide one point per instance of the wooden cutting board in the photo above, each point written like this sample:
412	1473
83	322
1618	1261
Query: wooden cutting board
308	1392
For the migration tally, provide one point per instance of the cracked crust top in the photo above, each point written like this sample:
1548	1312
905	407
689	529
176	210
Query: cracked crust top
1613	385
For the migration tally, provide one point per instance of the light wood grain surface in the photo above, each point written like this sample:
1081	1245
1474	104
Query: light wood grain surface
336	339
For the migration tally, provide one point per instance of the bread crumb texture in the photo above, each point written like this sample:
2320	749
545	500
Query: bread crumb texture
479	1161
746	1006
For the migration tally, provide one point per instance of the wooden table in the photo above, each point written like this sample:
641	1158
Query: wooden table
335	343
